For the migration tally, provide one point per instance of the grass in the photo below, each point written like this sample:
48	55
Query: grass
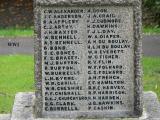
16	32
151	78
151	30
16	75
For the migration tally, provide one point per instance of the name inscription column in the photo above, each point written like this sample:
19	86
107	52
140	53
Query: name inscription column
110	60
61	61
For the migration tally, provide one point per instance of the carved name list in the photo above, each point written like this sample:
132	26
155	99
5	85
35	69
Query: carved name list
87	59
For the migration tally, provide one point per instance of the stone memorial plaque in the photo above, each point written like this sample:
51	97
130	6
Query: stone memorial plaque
88	59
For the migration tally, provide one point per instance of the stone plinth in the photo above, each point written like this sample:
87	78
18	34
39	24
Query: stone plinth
23	108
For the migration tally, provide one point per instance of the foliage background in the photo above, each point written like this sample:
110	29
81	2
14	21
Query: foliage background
15	13
151	12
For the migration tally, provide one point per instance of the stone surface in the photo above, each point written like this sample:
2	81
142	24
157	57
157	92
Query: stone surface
24	105
5	116
152	105
70	72
87	2
87	58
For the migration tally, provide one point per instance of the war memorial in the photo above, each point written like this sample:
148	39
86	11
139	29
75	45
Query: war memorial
87	63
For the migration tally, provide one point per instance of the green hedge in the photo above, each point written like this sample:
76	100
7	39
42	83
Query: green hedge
151	12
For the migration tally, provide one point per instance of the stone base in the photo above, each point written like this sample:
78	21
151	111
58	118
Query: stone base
23	108
5	116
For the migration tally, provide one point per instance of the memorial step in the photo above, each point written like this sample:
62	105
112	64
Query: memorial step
23	108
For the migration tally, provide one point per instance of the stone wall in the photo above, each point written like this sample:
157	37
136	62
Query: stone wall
16	13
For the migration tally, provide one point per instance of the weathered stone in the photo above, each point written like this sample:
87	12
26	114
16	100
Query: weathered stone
5	116
24	106
87	58
152	105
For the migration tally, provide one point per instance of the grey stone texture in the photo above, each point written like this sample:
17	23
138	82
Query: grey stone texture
24	106
87	2
5	116
151	105
39	4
